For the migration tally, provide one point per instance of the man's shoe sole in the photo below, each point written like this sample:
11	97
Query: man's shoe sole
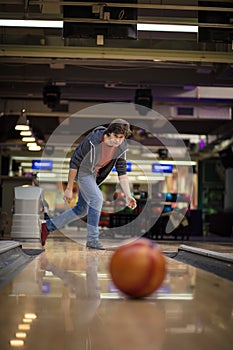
98	248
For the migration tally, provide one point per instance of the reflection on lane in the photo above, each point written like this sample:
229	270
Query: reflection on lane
76	305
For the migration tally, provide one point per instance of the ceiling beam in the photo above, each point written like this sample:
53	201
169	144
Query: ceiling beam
130	5
72	52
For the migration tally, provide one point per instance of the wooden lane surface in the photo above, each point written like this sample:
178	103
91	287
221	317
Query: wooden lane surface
69	290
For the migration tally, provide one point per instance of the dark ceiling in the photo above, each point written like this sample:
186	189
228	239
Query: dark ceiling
178	68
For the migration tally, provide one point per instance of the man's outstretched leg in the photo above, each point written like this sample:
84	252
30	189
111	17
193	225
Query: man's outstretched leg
68	216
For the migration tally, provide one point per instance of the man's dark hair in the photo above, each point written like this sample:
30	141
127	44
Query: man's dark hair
119	126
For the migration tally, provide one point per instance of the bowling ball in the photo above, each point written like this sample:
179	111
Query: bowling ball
138	268
121	203
117	195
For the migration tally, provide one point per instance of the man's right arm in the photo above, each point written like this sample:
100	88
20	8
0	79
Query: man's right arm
68	194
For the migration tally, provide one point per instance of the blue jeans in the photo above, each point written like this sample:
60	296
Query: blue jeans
90	200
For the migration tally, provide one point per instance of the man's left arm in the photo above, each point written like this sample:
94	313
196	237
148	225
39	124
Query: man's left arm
124	182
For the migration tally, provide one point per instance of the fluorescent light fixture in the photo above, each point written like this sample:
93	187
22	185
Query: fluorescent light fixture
154	296
178	162
152	178
59	24
30	23
26	164
167	28
46	175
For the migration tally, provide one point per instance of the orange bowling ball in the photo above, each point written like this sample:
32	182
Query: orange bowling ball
138	268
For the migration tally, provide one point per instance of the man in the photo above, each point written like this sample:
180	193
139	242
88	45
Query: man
92	161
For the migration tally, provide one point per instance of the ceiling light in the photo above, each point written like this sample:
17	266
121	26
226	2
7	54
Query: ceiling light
31	315
16	342
22	122
21	334
31	144
27	320
28	139
24	327
26	133
34	148
30	23
166	28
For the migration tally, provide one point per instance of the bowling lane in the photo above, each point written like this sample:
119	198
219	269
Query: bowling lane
65	299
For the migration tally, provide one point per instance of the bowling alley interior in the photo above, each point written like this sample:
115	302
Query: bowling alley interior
164	279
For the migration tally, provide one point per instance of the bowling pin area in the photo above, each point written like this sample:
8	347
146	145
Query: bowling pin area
63	298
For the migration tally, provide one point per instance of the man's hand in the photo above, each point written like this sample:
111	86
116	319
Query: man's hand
124	182
131	202
68	195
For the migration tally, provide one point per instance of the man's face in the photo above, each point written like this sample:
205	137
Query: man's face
114	140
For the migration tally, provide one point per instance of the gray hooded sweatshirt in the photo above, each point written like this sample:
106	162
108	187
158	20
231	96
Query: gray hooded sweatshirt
87	154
